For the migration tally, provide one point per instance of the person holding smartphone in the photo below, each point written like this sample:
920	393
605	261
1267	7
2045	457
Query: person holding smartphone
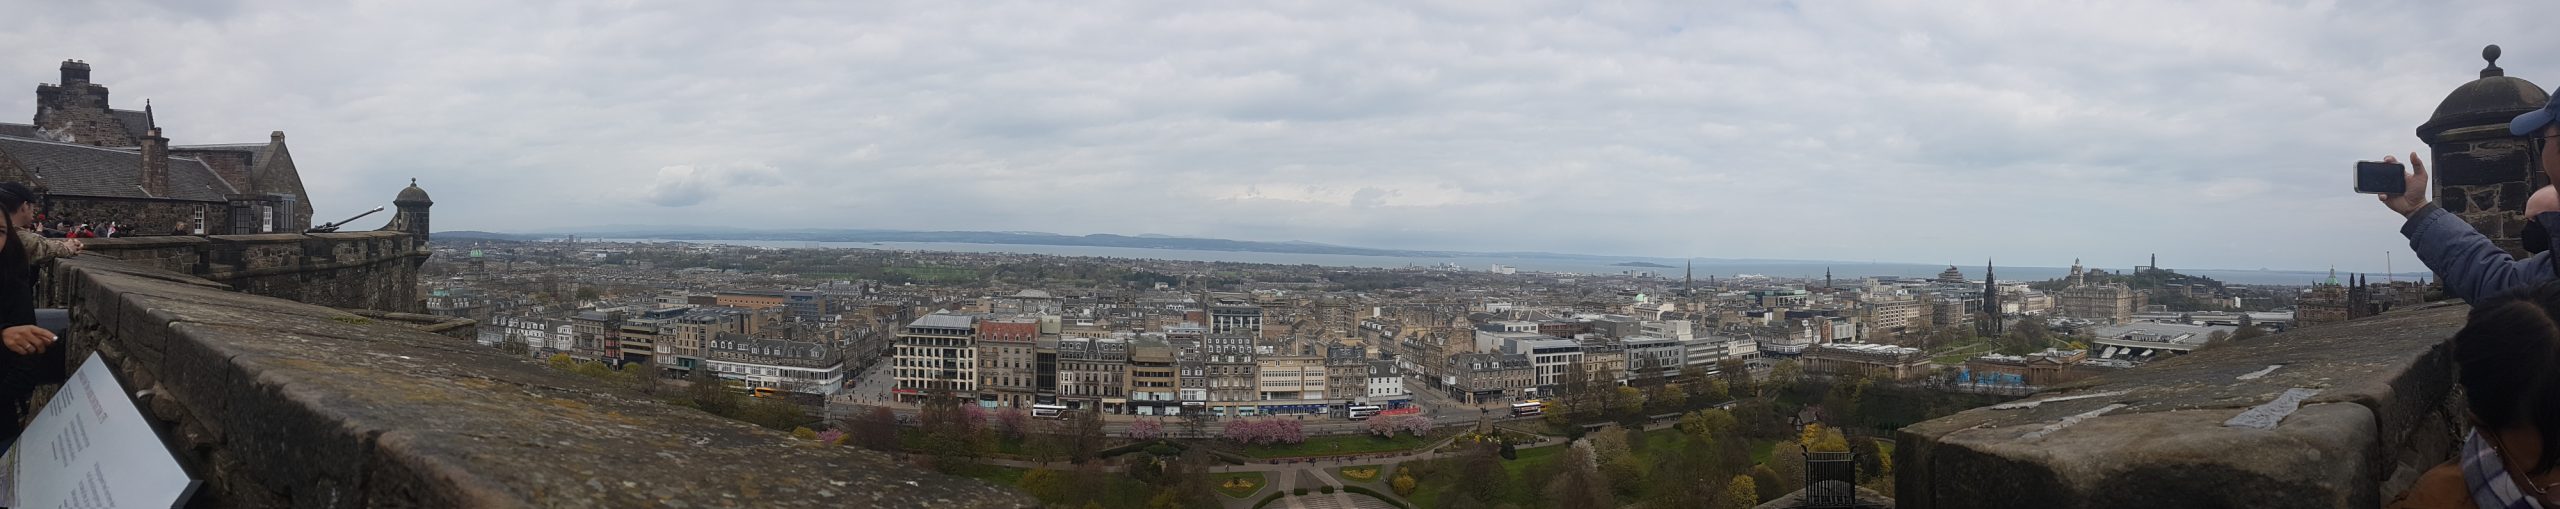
2470	266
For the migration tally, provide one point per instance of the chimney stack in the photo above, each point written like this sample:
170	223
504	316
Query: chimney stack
155	164
74	72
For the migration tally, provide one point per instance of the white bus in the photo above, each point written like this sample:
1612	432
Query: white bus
1362	412
1528	408
1048	412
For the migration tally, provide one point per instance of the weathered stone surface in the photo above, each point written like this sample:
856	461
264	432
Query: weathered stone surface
2156	436
282	403
375	270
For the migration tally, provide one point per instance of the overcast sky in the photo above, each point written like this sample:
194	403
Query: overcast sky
2217	134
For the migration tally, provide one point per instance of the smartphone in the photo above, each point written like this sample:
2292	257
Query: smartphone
2376	177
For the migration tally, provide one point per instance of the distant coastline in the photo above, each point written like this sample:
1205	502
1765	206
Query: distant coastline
1182	248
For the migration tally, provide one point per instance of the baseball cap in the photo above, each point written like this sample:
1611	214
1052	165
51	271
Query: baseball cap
2537	119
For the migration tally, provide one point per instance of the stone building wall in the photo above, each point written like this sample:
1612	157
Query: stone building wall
151	217
77	113
2483	175
376	270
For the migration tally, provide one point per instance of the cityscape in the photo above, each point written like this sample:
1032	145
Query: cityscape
1758	256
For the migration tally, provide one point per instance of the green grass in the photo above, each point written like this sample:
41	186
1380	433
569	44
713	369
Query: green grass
1761	450
1219	480
1884	448
1333	445
1531	457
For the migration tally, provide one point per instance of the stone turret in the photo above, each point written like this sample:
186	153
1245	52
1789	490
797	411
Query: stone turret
412	211
2481	173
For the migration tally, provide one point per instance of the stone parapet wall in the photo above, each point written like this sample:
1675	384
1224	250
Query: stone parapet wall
376	270
277	403
2174	434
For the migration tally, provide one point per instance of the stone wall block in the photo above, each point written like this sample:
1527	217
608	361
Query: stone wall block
2159	436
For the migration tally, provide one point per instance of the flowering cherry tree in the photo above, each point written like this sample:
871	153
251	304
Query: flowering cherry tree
1264	431
1149	429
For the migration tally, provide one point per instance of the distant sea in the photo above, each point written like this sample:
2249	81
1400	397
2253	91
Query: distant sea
1716	267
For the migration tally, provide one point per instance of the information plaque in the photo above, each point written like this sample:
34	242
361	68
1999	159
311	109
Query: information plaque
90	448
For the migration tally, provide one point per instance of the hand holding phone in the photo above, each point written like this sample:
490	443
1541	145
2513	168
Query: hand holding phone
2405	193
2381	177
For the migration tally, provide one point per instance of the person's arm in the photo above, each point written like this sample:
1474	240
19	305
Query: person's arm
2471	267
40	249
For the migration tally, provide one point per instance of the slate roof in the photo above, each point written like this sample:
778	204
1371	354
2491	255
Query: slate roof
136	123
79	170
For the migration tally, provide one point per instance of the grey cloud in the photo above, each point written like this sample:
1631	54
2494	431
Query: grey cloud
1856	130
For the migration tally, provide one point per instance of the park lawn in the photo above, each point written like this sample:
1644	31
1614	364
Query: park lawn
1761	450
1346	473
1219	480
1884	448
1530	457
1334	445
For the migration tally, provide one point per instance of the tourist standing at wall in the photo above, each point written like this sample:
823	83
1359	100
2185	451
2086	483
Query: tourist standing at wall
2470	266
2511	457
32	358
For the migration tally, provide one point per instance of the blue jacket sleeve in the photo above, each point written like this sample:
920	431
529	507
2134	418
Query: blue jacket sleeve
2470	266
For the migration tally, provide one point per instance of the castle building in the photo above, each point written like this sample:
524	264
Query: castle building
94	163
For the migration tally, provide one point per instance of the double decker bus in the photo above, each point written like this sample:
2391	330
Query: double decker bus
1528	408
1362	412
1048	412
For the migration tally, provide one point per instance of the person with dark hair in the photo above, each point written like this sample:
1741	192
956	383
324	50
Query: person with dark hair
2503	358
32	358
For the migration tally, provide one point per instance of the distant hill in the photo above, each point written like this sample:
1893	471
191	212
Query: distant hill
1649	265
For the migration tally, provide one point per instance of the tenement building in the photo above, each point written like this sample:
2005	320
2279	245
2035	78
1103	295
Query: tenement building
96	164
808	367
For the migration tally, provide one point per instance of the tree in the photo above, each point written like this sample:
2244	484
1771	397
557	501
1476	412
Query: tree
1084	435
1196	424
1576	484
1147	429
1788	462
1012	424
1047	485
1768	480
1627	403
561	361
1817	438
1403	483
644	379
1741	493
875	428
1709	424
1617	461
1483	475
1783	376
